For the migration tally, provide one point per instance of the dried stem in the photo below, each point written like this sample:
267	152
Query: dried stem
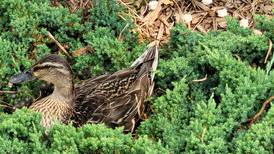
256	116
59	45
6	105
130	9
7	92
203	134
200	80
120	35
269	51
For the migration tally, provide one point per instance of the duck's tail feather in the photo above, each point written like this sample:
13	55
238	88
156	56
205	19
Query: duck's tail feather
149	59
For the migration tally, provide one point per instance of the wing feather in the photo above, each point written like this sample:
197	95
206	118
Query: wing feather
117	99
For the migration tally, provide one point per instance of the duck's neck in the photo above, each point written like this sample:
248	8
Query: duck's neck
64	92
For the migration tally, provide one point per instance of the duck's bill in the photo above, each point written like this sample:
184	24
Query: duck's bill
20	78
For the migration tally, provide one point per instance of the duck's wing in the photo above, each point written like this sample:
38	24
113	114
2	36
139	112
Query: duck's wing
117	99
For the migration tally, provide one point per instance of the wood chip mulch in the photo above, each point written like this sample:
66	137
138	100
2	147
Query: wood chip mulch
154	19
155	22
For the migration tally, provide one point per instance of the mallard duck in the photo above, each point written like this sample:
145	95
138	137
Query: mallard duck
116	99
59	106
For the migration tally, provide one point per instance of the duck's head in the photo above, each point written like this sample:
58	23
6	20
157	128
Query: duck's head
51	68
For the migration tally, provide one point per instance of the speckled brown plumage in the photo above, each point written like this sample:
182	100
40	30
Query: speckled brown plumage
52	111
116	99
59	106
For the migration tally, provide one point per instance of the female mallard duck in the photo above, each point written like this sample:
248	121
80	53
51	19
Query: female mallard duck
115	99
59	106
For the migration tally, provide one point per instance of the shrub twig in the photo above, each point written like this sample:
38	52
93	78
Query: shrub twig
256	116
6	105
120	35
203	134
200	80
7	92
59	45
269	51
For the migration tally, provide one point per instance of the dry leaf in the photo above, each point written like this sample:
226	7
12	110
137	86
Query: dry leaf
153	15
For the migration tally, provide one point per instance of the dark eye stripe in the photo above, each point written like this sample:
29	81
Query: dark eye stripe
39	67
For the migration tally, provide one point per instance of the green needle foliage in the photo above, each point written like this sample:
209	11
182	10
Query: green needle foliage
207	85
209	116
21	133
